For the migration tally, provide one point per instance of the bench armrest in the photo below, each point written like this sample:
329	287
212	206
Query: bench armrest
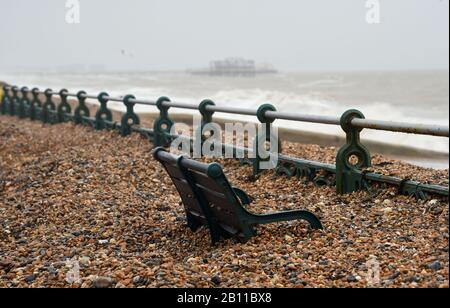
287	216
243	197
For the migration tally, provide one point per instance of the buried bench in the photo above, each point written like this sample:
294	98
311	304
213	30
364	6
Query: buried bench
210	200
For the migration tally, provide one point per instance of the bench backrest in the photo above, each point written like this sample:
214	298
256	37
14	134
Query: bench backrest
206	194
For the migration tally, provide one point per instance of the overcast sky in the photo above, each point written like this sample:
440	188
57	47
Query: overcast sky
294	35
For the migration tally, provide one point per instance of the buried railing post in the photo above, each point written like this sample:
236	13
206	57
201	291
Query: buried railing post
23	103
64	107
5	100
82	110
130	118
163	124
352	157
14	99
259	146
48	108
103	114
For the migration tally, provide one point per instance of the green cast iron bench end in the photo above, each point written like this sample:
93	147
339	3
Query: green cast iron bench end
215	171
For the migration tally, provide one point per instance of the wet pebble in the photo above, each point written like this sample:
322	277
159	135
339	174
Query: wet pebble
102	282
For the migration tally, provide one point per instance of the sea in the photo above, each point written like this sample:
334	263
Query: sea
413	97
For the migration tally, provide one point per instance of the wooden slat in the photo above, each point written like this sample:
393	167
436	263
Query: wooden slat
174	171
206	181
221	208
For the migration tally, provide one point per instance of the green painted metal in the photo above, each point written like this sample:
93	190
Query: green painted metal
130	118
36	105
309	171
26	92
81	110
299	171
103	114
48	108
5	100
207	118
147	133
267	135
210	200
23	106
163	124
64	109
348	179
345	175
13	101
416	190
322	174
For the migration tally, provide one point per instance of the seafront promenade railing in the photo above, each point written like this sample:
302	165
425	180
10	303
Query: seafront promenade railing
353	162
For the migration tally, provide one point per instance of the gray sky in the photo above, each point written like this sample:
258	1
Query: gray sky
294	35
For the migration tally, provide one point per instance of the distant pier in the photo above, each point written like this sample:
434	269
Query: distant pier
235	67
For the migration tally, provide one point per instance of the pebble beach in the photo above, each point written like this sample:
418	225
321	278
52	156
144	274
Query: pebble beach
81	208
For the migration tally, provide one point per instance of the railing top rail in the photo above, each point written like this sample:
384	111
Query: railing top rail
242	111
303	117
180	105
419	129
411	128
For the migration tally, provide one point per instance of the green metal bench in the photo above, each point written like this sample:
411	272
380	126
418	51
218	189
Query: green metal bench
210	200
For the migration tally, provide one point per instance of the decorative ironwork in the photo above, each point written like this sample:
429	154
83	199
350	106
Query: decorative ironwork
49	108
24	103
36	105
207	117
13	101
64	108
5	100
163	124
352	157
267	135
82	110
103	114
350	173
130	118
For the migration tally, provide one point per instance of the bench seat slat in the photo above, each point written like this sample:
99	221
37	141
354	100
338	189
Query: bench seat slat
206	181
174	171
187	196
222	208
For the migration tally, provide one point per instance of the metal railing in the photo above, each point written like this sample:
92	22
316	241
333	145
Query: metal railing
348	175
411	128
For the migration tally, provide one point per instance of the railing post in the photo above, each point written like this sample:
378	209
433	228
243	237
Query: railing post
206	119
129	118
23	103
206	115
36	106
48	108
82	110
103	114
63	107
352	157
12	104
163	125
267	136
6	100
